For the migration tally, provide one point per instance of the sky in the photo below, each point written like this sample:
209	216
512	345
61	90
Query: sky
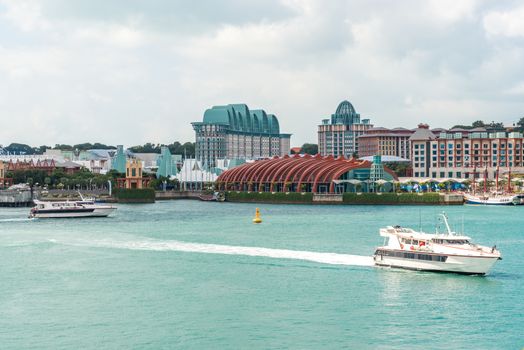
133	71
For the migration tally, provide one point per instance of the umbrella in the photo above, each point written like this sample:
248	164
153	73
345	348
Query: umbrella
381	181
354	181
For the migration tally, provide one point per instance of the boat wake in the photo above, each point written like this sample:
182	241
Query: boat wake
16	219
325	258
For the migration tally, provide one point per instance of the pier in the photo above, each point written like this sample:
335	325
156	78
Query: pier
15	198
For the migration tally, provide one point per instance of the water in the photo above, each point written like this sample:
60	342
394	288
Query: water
188	274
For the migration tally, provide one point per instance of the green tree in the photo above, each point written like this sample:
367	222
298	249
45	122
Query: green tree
520	123
63	147
19	148
309	148
478	124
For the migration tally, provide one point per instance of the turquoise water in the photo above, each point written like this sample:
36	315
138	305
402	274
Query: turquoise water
190	275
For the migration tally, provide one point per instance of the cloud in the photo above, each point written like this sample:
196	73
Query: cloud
133	71
508	23
26	15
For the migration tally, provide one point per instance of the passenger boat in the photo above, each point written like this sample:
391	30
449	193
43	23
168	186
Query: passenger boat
494	199
215	197
86	207
442	252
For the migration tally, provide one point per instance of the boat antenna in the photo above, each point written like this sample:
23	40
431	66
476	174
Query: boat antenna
445	220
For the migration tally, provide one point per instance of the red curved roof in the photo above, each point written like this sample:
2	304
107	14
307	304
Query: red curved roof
295	170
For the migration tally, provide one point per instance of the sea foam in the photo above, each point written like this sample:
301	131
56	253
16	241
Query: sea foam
179	246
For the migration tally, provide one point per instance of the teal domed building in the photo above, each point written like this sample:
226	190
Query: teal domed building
235	132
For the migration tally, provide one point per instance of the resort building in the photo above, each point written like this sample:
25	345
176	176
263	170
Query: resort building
385	142
166	164
134	178
4	181
338	136
466	154
194	176
306	173
236	132
118	162
97	161
69	167
46	165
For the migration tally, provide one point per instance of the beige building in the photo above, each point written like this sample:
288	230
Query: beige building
466	154
134	178
385	142
338	136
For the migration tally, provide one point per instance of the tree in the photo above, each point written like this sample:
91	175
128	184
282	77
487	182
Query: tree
496	126
520	123
63	147
309	148
42	149
19	148
478	124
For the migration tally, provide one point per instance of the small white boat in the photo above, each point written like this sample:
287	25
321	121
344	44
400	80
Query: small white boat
442	252
86	207
494	199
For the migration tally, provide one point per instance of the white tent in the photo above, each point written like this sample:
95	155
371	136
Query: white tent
193	175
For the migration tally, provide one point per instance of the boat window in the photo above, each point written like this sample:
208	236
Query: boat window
415	242
418	256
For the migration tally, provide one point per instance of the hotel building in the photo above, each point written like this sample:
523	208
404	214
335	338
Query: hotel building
338	136
385	142
466	154
236	132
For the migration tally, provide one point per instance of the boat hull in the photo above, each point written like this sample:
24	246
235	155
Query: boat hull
492	201
77	213
471	265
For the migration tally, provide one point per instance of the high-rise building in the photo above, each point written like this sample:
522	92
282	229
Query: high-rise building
338	136
236	132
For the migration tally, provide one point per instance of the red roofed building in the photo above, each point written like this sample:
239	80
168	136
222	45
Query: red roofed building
47	165
301	173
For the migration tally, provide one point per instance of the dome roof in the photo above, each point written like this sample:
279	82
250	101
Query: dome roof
240	118
345	108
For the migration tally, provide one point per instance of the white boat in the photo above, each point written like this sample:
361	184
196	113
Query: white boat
494	199
86	207
442	252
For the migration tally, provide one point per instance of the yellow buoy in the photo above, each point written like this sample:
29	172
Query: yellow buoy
257	219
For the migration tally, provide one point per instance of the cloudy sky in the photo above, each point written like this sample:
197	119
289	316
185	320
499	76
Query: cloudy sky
132	71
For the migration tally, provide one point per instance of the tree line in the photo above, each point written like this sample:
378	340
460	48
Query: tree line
176	147
492	126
